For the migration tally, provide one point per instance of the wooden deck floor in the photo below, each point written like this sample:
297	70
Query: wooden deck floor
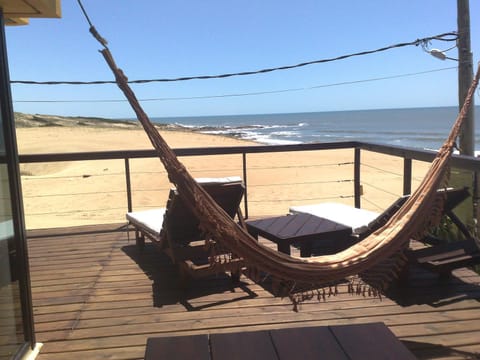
96	297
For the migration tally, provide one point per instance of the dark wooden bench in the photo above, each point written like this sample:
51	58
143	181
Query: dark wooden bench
447	257
442	257
372	341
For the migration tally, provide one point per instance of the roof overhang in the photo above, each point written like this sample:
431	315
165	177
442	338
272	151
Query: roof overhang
17	12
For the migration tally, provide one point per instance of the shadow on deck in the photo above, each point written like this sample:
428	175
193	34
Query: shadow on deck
166	288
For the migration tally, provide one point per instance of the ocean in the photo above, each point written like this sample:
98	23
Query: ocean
424	128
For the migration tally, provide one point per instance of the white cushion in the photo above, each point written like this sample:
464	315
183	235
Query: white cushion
223	180
357	219
152	220
148	219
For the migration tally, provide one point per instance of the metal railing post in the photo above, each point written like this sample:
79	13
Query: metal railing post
357	189
407	176
245	182
129	185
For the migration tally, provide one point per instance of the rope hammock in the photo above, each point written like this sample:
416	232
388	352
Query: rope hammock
376	260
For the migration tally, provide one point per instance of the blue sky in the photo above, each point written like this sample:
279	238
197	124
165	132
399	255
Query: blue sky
161	39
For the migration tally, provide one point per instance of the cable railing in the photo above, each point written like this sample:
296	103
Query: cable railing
87	198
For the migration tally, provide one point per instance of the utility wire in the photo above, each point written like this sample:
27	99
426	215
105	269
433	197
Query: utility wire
243	94
449	36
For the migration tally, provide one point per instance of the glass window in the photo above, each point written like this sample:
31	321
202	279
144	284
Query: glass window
11	324
17	335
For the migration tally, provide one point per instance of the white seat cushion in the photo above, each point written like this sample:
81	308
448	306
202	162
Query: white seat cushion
152	220
223	180
357	219
148	219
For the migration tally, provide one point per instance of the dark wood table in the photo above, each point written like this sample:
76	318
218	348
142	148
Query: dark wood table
372	341
304	230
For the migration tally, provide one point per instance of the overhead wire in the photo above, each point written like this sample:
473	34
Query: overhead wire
256	93
448	36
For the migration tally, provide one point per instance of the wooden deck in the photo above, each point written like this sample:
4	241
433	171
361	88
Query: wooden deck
96	297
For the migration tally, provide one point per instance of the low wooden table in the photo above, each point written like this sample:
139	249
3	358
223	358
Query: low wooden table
372	341
305	230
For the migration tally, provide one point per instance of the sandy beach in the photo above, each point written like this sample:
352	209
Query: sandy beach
94	192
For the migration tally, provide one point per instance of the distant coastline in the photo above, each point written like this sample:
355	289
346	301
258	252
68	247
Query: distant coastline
424	128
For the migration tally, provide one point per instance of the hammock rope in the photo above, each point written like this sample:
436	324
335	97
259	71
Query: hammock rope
377	259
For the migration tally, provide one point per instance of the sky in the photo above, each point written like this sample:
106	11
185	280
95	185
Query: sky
153	39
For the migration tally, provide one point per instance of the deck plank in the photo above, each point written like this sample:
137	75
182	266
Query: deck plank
96	296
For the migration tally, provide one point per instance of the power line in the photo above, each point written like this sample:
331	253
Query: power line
244	94
449	36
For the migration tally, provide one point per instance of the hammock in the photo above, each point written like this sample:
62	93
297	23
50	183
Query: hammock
376	259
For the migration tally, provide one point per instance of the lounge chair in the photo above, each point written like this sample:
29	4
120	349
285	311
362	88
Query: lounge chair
440	257
443	257
175	231
364	222
446	257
